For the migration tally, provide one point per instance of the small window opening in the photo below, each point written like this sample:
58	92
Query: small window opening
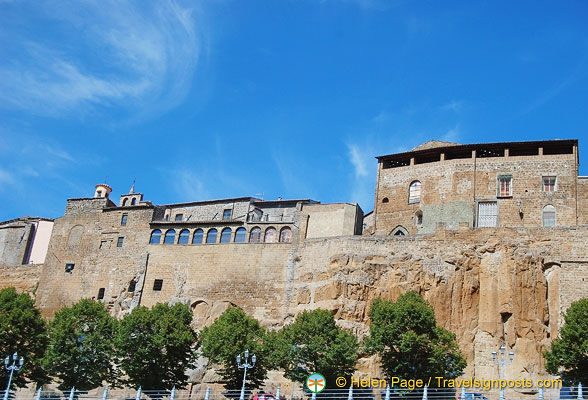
179	217
227	214
101	293
549	184
385	200
157	285
119	242
504	186
123	219
132	285
69	267
134	201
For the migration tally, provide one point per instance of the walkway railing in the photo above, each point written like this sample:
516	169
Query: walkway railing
565	393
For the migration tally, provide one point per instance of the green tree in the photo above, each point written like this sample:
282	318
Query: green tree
231	334
22	330
314	343
81	349
409	342
155	347
568	357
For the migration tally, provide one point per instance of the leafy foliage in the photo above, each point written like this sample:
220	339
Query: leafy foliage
410	344
314	343
22	330
569	353
231	334
81	346
155	347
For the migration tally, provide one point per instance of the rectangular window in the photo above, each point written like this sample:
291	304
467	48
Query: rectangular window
179	217
504	186
69	267
100	293
123	219
549	184
132	286
119	242
226	214
157	285
487	214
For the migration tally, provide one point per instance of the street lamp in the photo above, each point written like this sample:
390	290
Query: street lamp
245	366
16	365
502	363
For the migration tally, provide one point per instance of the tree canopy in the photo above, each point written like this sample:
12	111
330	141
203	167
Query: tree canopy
81	348
231	334
22	330
409	342
155	347
314	343
569	353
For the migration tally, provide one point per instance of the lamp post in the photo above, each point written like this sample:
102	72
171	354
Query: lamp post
502	363
245	366
15	366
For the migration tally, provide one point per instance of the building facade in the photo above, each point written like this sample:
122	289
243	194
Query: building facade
515	184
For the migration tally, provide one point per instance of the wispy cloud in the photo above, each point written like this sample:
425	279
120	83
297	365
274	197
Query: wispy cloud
361	157
190	186
359	160
137	56
6	177
452	135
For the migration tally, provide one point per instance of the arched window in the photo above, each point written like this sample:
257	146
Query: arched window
399	231
211	236
255	235
270	235
418	217
414	192
170	237
549	215
197	238
285	235
124	202
134	201
385	200
240	235
184	236
155	237
226	235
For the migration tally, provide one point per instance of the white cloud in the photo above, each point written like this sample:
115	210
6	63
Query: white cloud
452	135
6	177
359	160
138	56
189	186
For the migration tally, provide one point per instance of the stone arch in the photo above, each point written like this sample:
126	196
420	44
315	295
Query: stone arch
399	231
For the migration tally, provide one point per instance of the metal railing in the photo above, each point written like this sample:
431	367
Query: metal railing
355	393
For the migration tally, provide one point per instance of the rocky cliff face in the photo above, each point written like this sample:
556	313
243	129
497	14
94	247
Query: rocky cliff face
488	287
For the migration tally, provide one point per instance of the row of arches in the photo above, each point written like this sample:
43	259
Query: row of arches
211	236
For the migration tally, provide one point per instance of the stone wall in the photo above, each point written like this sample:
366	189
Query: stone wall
451	190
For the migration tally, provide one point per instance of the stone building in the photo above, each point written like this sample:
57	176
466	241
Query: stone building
515	184
492	235
139	253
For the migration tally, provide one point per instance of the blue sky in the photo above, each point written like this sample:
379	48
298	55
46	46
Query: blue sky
209	99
